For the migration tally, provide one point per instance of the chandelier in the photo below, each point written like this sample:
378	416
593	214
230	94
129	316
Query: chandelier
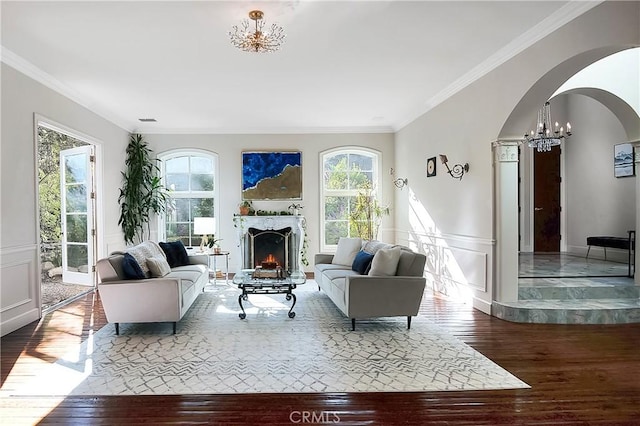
545	138
249	39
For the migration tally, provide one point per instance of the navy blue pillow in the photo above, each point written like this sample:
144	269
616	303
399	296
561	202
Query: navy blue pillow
361	262
131	268
176	253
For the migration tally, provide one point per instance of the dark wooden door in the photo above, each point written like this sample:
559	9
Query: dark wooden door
546	200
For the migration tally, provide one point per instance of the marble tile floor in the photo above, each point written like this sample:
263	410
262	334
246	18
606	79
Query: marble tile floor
569	289
567	265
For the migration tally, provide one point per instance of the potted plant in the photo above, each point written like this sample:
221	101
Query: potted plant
142	193
294	208
246	208
212	243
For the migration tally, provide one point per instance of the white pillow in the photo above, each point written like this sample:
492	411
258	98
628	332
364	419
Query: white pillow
346	251
158	266
385	262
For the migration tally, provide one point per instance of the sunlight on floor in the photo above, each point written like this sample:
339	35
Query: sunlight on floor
34	374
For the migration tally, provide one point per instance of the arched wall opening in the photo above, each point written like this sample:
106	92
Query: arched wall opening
594	200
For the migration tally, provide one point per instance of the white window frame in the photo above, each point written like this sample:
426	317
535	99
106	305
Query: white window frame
215	194
376	180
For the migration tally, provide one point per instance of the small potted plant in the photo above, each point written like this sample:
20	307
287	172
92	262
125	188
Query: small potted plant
246	208
294	208
212	243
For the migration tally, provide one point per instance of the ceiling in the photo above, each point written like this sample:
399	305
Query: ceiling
347	66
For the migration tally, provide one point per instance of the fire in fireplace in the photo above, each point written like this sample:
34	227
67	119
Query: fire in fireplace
270	248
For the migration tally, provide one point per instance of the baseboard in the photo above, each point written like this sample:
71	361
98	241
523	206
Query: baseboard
482	305
19	321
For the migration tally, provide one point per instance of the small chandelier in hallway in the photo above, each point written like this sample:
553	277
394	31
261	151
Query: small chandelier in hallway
255	39
544	137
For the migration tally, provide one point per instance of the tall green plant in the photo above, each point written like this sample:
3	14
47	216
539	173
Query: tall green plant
142	193
366	214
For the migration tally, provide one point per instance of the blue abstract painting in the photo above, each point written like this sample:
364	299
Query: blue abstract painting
272	175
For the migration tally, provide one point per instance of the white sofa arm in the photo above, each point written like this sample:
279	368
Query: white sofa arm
149	300
322	258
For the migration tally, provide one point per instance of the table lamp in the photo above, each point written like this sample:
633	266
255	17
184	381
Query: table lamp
204	226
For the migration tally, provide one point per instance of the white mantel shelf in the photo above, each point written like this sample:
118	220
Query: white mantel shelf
295	222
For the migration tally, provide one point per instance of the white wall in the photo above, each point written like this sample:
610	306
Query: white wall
597	202
21	98
454	224
229	149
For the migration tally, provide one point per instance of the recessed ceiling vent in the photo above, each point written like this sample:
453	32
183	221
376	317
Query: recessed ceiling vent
148	120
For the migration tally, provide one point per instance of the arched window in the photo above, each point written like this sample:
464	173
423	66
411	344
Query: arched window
345	172
191	177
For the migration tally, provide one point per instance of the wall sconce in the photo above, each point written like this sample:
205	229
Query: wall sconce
400	182
457	171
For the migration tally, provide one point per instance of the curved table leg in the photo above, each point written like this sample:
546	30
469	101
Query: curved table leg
243	314
289	297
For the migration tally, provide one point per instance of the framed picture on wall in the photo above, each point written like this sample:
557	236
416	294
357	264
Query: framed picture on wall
272	175
623	165
431	166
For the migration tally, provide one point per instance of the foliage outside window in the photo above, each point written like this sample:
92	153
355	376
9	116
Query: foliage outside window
346	174
191	179
50	143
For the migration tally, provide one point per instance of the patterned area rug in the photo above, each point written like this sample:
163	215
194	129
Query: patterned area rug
216	352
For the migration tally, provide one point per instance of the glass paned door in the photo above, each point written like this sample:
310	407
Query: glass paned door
76	187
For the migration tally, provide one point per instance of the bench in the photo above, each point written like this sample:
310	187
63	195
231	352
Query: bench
622	243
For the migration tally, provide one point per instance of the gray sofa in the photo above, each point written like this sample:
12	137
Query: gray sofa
161	299
365	296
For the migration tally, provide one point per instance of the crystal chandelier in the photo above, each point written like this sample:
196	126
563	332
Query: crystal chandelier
249	39
545	138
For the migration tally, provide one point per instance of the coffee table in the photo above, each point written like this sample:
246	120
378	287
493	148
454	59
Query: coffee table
249	285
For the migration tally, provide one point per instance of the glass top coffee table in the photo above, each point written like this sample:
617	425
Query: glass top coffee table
266	282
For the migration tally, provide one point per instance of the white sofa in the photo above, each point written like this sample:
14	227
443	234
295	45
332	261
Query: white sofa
366	296
162	299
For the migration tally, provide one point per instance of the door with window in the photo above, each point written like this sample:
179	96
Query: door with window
77	211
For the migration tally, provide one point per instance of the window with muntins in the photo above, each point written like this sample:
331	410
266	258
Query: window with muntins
191	180
345	172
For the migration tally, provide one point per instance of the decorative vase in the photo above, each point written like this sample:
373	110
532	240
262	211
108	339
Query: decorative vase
216	249
244	211
296	212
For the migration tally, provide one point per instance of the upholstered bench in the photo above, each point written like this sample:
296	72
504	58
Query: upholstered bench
621	243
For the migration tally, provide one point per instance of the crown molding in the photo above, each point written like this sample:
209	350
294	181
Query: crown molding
262	130
30	70
551	23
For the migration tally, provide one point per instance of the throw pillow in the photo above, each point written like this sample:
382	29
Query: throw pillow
373	246
176	253
385	262
362	262
346	251
131	268
158	266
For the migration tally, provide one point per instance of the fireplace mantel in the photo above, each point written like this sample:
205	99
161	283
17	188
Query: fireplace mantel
296	223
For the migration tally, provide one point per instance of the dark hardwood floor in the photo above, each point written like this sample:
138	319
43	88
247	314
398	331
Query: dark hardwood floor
579	374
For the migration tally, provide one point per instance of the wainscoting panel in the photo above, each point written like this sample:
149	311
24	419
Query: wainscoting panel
472	264
20	288
456	264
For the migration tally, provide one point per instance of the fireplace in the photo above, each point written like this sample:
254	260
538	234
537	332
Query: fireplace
269	248
269	240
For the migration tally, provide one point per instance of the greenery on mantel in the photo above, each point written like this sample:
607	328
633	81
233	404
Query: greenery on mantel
142	193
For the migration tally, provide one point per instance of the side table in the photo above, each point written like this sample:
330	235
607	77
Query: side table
215	266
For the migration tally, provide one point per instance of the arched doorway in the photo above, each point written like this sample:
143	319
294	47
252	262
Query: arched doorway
521	117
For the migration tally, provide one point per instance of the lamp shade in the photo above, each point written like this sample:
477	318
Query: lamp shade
204	225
